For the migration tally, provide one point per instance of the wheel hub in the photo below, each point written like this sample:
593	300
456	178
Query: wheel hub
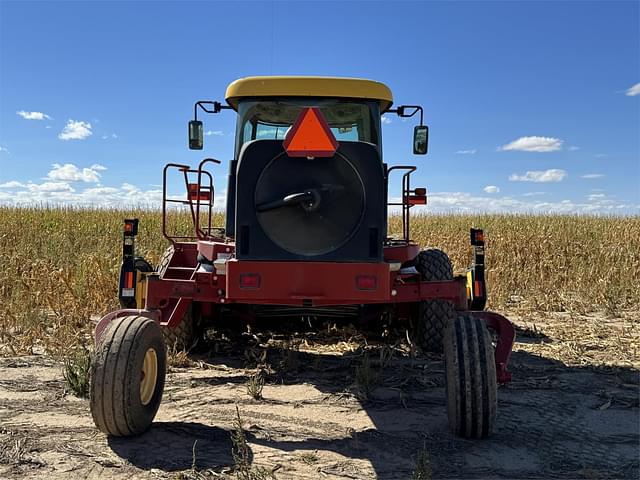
148	376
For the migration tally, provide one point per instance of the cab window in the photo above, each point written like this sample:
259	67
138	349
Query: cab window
348	120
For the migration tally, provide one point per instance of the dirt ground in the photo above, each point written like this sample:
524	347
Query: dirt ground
572	411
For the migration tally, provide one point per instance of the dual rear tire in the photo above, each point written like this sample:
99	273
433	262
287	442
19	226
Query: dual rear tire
433	316
470	374
470	370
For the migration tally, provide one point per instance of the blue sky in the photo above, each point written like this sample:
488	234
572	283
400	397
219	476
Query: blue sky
532	106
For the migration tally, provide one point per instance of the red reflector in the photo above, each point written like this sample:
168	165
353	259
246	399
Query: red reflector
128	227
129	282
366	282
249	280
416	200
420	191
310	136
477	288
197	194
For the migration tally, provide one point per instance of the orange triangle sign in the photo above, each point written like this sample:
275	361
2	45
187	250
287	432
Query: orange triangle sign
310	136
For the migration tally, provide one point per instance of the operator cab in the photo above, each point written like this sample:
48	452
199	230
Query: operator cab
318	196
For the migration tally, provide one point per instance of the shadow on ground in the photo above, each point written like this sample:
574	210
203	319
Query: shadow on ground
172	446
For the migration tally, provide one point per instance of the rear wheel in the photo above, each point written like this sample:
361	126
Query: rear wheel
434	315
471	383
127	376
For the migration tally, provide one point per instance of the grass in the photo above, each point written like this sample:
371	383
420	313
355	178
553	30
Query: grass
366	378
241	454
77	369
60	265
423	465
255	384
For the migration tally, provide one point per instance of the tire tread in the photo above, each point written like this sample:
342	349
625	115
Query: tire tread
470	377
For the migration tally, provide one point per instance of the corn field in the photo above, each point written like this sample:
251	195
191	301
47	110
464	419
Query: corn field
59	266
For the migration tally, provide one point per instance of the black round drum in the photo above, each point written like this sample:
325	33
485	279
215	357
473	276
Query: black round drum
310	206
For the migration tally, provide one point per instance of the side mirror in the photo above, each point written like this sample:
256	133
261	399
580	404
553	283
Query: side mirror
196	135
420	140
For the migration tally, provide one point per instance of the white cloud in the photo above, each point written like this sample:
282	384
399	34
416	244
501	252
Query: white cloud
467	152
63	194
75	130
573	148
592	175
385	120
12	184
113	135
33	115
70	173
595	196
491	189
540	176
50	187
217	133
533	144
533	194
633	90
463	202
4	149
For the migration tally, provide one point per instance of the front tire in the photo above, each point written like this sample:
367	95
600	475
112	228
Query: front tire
127	376
471	382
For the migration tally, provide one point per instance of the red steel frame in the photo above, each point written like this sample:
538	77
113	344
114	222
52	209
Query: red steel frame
306	284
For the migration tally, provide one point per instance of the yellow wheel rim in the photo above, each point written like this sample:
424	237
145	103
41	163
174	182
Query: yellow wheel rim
148	376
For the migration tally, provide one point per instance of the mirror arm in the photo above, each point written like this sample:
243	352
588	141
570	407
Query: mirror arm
217	107
400	111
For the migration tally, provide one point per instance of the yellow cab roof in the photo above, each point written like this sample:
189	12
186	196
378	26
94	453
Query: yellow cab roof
293	86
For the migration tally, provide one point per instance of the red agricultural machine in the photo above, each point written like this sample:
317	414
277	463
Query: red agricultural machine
305	236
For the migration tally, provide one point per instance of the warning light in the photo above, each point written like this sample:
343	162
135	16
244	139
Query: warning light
196	193
477	237
249	280
131	227
310	136
419	197
366	282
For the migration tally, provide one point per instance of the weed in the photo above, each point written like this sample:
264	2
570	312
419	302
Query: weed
423	465
255	384
241	455
178	358
366	378
77	370
613	299
290	355
309	458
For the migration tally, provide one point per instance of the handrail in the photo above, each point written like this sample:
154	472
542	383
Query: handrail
199	233
406	190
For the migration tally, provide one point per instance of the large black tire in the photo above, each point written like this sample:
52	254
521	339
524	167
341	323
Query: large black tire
127	376
435	315
471	383
181	337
